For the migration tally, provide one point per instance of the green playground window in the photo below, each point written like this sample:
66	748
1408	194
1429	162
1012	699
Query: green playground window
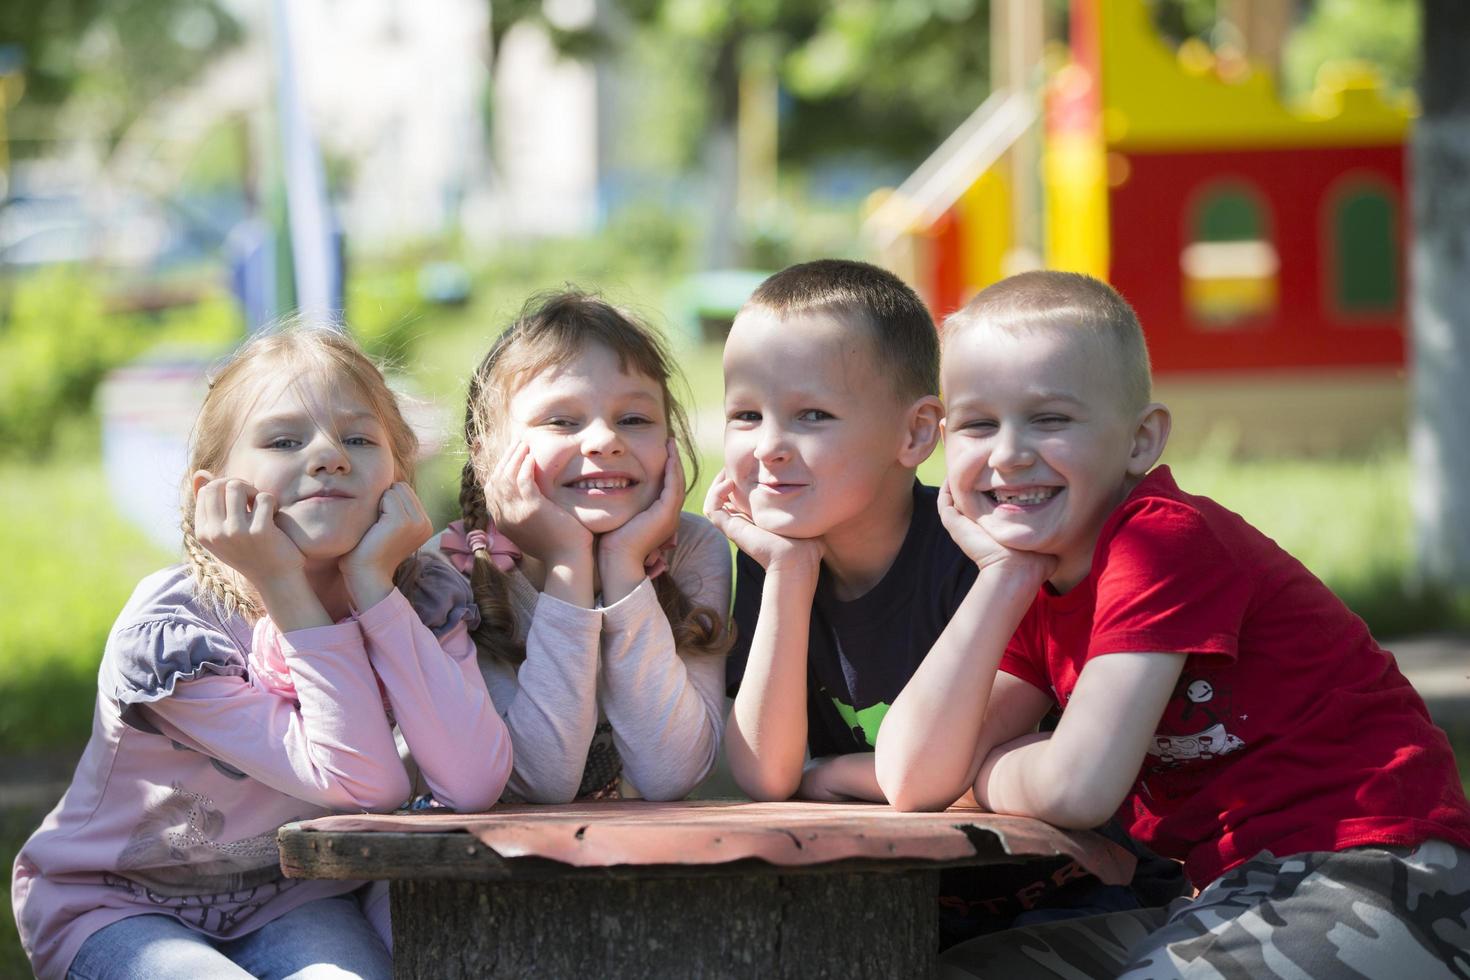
1363	249
1229	265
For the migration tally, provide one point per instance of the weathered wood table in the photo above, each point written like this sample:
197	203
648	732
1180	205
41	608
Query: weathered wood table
694	889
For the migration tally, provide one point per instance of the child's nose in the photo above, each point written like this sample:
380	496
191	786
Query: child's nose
328	455
602	439
1010	450
771	444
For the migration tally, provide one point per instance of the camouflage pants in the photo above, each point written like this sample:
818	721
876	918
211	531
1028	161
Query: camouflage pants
1365	912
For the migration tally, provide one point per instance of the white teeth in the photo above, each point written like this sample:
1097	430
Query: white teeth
615	484
1037	496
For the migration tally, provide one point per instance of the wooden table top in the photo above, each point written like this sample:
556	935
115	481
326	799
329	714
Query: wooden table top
694	836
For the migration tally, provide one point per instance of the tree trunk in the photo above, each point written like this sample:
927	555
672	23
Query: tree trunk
1440	300
721	158
843	926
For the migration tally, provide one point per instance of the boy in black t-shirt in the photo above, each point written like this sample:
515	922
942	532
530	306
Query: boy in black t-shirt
845	576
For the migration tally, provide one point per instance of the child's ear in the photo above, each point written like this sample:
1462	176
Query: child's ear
200	479
1149	437
921	432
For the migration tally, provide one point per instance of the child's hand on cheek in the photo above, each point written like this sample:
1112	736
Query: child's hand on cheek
400	528
238	526
621	553
983	549
770	550
521	511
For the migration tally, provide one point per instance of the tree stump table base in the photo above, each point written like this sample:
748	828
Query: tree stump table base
848	925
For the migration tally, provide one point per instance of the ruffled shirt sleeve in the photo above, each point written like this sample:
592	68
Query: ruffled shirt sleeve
421	648
667	705
185	678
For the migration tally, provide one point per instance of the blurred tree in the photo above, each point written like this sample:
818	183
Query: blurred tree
1384	33
118	55
1440	269
885	78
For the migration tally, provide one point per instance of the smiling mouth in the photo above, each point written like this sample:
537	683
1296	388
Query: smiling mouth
780	488
1029	497
602	484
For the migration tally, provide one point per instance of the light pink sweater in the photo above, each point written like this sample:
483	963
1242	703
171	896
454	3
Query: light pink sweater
193	765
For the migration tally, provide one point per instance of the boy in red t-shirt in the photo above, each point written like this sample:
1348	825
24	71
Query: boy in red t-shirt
1218	698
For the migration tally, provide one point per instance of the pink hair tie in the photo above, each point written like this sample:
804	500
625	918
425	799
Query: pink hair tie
460	547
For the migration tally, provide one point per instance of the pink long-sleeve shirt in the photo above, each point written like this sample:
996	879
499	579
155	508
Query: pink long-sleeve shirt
193	764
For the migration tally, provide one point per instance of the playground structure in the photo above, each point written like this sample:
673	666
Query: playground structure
1263	245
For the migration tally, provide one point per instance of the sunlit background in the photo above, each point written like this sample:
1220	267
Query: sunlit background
177	173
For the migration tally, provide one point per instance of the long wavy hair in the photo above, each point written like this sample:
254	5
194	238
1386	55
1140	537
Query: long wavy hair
551	330
295	354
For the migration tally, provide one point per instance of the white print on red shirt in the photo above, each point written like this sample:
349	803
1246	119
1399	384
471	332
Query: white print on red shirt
1168	751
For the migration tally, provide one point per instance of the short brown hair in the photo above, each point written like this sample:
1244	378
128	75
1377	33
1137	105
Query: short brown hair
1069	301
905	343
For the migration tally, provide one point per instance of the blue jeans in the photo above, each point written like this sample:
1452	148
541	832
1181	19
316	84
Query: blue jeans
328	938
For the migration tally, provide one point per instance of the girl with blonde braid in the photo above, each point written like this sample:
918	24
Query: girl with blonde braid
602	630
260	682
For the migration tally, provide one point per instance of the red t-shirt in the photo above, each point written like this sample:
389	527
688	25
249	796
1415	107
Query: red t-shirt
1290	729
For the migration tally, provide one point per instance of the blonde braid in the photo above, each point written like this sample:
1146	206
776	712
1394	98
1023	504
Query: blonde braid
213	580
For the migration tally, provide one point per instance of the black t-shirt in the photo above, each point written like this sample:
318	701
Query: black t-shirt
861	653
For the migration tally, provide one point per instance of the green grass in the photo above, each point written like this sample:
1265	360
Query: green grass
70	564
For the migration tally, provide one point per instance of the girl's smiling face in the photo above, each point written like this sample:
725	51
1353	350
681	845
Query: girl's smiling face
598	433
317	446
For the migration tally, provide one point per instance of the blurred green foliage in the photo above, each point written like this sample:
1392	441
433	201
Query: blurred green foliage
59	341
1382	33
114	59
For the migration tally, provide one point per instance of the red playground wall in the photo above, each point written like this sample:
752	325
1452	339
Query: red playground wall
1150	225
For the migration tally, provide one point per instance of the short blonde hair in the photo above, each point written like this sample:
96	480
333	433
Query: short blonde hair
1067	302
285	357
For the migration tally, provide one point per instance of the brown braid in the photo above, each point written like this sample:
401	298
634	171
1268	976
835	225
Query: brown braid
550	329
496	634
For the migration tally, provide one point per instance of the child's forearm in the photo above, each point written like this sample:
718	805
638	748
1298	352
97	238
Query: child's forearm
765	740
666	710
571	578
459	742
550	703
926	752
1020	777
292	604
841	777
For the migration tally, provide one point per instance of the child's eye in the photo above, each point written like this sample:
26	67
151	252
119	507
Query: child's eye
814	415
636	420
977	426
559	423
743	416
283	442
357	441
1052	420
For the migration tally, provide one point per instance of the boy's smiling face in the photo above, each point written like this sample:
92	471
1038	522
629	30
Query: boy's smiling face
1040	441
813	429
